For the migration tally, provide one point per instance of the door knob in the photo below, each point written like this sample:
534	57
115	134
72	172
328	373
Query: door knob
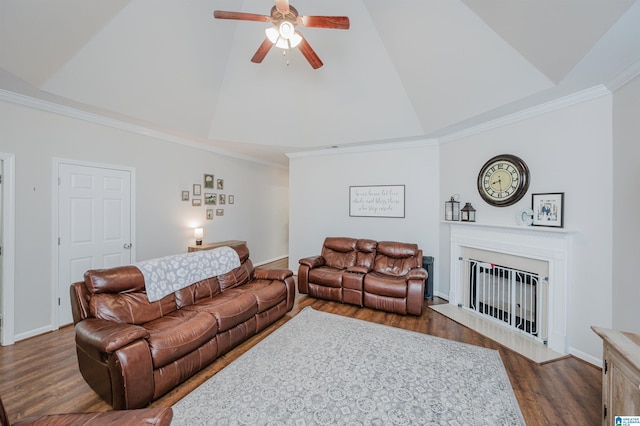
127	245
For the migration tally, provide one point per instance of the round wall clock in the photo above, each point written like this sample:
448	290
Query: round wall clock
503	180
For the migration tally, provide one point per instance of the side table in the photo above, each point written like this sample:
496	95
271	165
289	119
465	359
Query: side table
230	243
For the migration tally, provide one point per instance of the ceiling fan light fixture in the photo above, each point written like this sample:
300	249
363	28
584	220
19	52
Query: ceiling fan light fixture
295	39
286	29
284	36
272	34
285	18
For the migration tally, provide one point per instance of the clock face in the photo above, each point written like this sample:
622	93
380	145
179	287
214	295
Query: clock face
503	180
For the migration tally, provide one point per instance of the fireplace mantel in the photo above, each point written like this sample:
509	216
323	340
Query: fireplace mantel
515	228
552	245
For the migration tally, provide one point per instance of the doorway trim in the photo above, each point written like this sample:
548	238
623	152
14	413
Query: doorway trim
55	317
8	242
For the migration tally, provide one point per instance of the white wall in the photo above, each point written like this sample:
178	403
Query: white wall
319	194
568	150
626	202
164	223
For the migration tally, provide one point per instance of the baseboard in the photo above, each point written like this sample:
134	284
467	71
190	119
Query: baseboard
33	333
586	357
444	296
272	260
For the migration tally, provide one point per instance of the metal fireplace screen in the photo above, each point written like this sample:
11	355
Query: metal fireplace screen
513	297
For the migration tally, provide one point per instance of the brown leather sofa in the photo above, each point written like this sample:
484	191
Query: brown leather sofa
143	416
132	351
381	275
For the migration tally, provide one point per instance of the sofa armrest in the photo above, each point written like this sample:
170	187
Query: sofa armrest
312	262
145	416
272	274
107	336
358	269
416	274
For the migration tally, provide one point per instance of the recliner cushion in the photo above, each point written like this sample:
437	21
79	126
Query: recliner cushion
130	308
339	253
396	258
327	277
268	293
175	335
385	285
229	308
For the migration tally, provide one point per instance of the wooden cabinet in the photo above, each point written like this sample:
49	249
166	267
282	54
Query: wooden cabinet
620	374
230	243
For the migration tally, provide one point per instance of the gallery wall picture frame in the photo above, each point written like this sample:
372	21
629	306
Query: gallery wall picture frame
197	189
196	202
220	184
222	198
377	201
185	195
209	214
548	209
231	199
208	181
219	212
210	198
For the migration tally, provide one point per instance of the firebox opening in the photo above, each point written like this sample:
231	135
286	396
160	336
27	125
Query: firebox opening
511	296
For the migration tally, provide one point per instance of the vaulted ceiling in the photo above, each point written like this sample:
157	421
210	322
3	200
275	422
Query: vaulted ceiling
405	70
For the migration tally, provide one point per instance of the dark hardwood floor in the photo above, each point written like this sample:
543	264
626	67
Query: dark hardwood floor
40	375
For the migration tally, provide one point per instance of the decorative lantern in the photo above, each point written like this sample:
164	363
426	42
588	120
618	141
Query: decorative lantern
452	209
468	213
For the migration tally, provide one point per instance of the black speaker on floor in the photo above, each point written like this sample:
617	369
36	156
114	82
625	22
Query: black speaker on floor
427	263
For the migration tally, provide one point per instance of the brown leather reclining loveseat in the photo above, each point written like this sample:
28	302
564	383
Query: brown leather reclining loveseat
132	351
381	275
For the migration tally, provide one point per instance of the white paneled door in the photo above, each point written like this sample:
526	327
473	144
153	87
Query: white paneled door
94	225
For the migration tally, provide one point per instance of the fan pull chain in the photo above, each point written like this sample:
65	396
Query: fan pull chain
284	53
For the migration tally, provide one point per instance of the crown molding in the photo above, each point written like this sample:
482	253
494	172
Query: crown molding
78	114
631	72
556	104
563	102
371	147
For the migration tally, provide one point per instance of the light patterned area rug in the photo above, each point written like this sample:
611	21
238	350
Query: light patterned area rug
322	369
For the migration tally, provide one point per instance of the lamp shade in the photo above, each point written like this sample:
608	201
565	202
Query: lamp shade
198	233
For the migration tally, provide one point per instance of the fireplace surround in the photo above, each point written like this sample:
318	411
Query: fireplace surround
544	249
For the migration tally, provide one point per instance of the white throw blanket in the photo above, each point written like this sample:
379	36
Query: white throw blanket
166	275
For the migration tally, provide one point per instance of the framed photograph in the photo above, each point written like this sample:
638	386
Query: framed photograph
208	181
219	212
209	214
197	189
210	198
376	201
231	199
548	209
220	184
223	199
185	195
196	202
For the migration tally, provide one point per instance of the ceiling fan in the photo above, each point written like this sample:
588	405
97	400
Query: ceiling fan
283	34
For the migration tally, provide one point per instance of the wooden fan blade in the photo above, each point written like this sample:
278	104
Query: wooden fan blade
337	22
309	53
240	16
262	51
282	6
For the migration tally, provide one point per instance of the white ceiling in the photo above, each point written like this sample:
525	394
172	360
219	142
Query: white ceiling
406	69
